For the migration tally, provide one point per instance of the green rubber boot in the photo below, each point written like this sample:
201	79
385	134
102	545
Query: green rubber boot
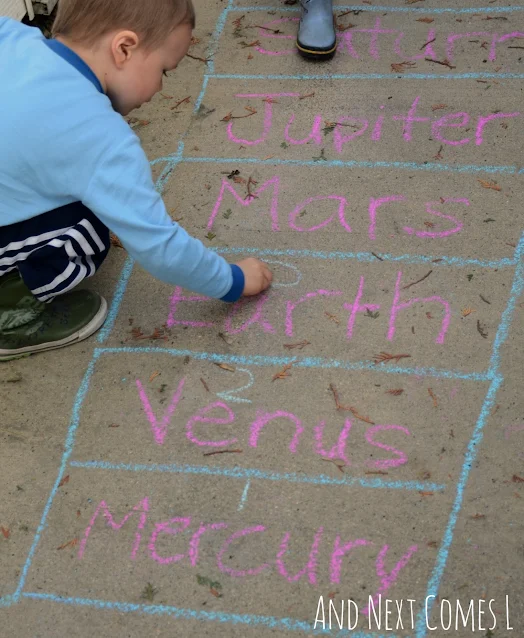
28	325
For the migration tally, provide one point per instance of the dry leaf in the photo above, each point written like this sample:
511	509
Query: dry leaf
426	493
477	516
517	479
402	66
115	241
5	532
64	481
360	417
426	20
492	185
339	464
384	357
223	452
72	543
395	393
225	366
431	543
153	376
436	107
300	345
283	373
432	395
332	317
467	311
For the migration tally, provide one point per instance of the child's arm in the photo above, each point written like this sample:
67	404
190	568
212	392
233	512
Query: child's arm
121	193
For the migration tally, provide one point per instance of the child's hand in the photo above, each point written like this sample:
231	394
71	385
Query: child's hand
257	276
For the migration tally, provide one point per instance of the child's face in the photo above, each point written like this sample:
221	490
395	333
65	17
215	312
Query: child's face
137	75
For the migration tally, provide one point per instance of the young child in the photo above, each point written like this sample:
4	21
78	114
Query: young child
71	169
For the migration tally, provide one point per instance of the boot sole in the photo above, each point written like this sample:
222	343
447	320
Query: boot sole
316	54
95	324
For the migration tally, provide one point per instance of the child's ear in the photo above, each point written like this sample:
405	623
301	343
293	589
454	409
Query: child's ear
123	45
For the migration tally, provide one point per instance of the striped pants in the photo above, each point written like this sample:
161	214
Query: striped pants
55	251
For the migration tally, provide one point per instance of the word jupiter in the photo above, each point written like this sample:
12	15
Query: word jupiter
253	312
453	129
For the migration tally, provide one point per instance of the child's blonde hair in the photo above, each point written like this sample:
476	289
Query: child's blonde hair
86	21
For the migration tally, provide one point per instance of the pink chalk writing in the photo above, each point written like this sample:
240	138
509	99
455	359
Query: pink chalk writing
159	430
201	418
387	579
450	121
261	305
314	136
194	543
431	211
428	51
342	203
290	306
226	186
374	205
174	301
397	306
410	119
142	507
453	37
338	451
263	418
347	41
382	464
275	183
482	121
496	40
268	116
167	528
285	545
245	572
311	565
341	138
355	308
256	317
339	551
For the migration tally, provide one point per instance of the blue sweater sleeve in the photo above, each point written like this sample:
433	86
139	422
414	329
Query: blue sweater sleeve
122	194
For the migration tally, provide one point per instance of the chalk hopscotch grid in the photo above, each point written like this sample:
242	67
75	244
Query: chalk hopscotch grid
267	621
254	620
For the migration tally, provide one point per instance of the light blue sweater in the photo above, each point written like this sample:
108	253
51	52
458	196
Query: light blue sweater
62	142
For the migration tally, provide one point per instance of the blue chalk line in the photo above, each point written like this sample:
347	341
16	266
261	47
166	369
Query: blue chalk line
243	499
410	166
304	362
68	448
517	289
271	622
252	473
367	76
368	257
389	9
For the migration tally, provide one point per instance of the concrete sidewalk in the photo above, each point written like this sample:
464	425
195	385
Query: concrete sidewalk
356	433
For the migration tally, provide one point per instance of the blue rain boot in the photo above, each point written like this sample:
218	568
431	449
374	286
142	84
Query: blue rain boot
317	39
